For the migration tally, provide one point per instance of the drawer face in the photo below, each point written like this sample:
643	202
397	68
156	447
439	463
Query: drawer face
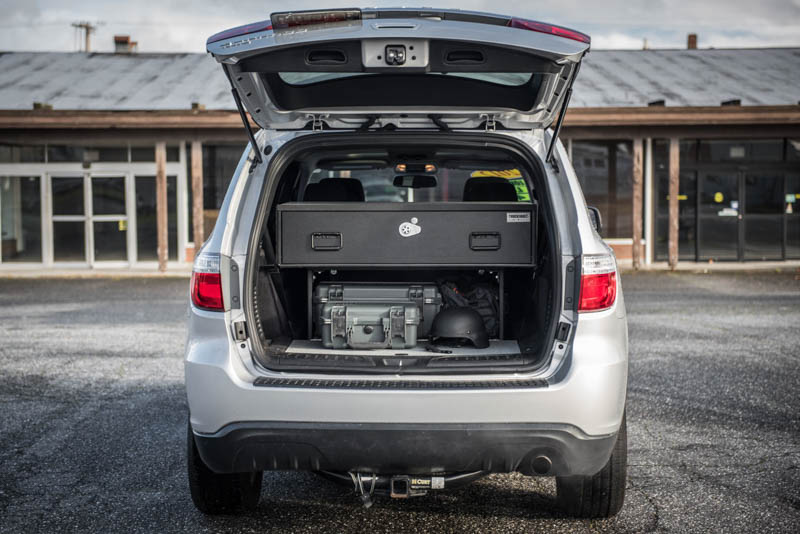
334	234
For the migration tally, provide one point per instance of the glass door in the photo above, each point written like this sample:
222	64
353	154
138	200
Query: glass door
20	219
89	219
109	221
792	212
146	226
718	215
763	216
69	216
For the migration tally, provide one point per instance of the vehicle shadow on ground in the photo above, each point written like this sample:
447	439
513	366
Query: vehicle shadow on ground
303	501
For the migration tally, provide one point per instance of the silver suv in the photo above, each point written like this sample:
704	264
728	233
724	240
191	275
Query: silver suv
405	290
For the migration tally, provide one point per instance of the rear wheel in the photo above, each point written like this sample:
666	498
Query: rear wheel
216	493
600	495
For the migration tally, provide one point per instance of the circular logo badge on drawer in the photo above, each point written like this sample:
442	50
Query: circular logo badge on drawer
409	228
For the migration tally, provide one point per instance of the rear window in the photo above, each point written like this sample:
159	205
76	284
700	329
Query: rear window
378	184
511	79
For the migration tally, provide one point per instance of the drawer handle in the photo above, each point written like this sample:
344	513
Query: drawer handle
484	241
326	241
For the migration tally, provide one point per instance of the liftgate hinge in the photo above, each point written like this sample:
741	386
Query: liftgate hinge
490	124
316	123
239	331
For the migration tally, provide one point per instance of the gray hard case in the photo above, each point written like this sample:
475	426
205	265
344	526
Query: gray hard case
426	297
368	326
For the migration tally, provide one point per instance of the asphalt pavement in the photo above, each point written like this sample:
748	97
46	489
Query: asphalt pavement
93	420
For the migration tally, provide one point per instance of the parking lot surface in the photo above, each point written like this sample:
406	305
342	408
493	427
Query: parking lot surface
93	418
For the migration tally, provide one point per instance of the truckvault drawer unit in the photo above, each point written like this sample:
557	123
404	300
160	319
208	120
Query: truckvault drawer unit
328	234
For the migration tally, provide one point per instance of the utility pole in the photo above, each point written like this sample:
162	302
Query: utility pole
88	28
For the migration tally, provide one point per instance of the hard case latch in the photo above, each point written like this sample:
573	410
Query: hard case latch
339	325
397	316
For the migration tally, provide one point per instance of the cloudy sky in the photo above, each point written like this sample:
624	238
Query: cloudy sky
183	25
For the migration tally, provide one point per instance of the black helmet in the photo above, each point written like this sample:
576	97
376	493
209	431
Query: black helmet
460	324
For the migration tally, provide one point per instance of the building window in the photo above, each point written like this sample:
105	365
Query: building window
21	223
146	227
21	153
147	153
605	171
720	150
736	201
219	163
792	211
687	199
793	149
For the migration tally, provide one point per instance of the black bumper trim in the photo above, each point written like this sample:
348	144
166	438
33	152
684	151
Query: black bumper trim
403	448
325	383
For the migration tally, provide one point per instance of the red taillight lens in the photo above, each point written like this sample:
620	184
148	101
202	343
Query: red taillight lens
238	31
207	283
207	291
543	27
598	283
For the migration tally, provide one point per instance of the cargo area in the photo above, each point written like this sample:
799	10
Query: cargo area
404	258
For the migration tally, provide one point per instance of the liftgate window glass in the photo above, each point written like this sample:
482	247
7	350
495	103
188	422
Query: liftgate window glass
327	234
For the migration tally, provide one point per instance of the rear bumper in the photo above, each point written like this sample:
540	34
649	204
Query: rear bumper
387	448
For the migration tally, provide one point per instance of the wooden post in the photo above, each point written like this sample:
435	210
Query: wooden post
674	181
161	205
197	194
638	181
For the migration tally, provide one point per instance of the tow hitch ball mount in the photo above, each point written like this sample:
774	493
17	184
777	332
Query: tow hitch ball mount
367	485
404	486
399	486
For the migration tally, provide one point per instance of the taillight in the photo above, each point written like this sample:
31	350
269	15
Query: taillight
238	31
598	283
543	27
292	19
207	283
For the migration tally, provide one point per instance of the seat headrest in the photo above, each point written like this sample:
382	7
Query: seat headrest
335	190
489	189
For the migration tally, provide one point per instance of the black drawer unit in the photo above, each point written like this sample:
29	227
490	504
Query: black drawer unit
332	234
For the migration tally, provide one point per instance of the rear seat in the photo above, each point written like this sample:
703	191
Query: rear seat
489	189
335	190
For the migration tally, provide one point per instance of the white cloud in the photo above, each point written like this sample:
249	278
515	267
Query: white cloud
617	40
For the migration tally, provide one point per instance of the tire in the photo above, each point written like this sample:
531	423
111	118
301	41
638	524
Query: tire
215	493
602	494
